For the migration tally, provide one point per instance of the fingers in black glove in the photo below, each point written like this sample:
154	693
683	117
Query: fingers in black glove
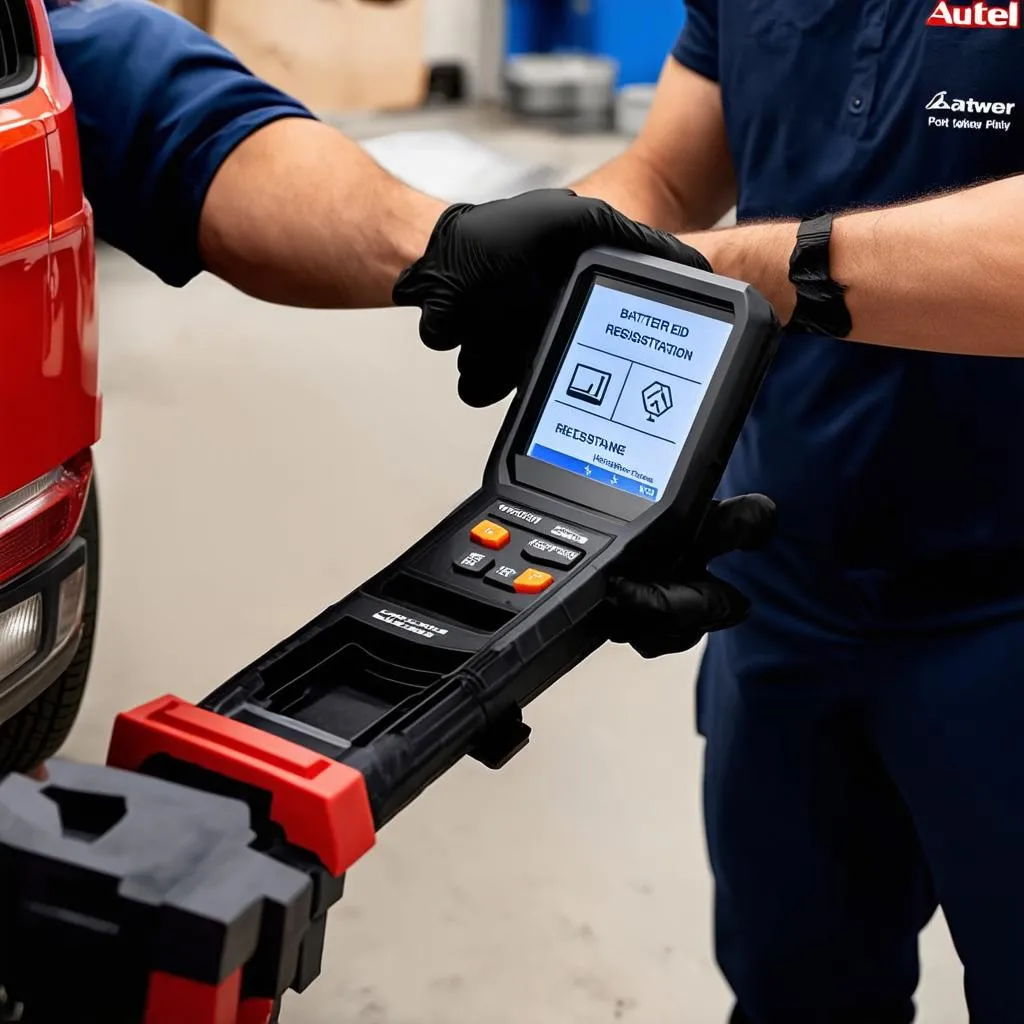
479	384
667	618
492	274
745	523
672	613
431	315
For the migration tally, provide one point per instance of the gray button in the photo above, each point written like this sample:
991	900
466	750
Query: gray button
504	576
474	563
856	104
546	552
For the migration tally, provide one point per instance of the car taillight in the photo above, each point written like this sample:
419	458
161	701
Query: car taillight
41	517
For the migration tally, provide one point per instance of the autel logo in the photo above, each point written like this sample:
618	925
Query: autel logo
976	15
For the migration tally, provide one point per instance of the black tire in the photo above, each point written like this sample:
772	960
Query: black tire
40	729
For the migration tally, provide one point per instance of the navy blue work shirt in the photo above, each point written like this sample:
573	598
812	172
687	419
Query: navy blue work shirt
899	475
160	106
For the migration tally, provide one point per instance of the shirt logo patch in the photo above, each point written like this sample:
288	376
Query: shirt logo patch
976	15
984	109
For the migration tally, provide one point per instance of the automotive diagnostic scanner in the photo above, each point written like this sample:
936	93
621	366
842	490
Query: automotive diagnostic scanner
606	465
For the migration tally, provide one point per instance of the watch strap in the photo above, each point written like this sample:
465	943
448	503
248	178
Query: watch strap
821	303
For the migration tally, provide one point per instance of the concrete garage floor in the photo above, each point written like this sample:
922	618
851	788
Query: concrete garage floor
259	462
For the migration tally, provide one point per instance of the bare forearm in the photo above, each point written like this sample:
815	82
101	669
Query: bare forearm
944	274
300	215
677	175
636	189
940	275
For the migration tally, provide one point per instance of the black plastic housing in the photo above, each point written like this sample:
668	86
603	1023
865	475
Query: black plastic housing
421	664
108	878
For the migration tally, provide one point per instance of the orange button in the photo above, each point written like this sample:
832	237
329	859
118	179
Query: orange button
490	535
533	581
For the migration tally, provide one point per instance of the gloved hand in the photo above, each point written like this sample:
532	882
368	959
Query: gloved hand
491	275
672	612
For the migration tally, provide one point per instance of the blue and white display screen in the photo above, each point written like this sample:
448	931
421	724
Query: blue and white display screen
627	393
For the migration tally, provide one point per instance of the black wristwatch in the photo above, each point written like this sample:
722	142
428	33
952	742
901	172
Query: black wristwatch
820	304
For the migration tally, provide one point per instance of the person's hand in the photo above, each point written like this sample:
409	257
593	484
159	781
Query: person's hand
492	274
673	612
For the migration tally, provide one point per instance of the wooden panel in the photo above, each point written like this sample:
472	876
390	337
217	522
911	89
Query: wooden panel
333	55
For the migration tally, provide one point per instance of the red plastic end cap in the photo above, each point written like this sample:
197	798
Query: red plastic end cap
322	805
256	1011
172	1000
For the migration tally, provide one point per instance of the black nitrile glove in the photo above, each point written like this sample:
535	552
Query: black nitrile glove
672	613
492	274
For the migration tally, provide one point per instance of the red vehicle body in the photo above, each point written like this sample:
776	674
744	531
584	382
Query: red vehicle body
49	397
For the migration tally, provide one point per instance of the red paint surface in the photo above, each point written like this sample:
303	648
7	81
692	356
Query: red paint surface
49	395
172	1000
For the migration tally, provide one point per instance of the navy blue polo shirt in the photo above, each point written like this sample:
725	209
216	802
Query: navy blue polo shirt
159	106
898	475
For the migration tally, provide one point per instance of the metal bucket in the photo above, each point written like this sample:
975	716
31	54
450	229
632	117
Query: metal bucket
632	106
575	92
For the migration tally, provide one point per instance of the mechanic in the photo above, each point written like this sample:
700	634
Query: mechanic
192	163
863	727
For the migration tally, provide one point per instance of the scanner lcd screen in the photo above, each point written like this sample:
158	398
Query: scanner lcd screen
628	389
